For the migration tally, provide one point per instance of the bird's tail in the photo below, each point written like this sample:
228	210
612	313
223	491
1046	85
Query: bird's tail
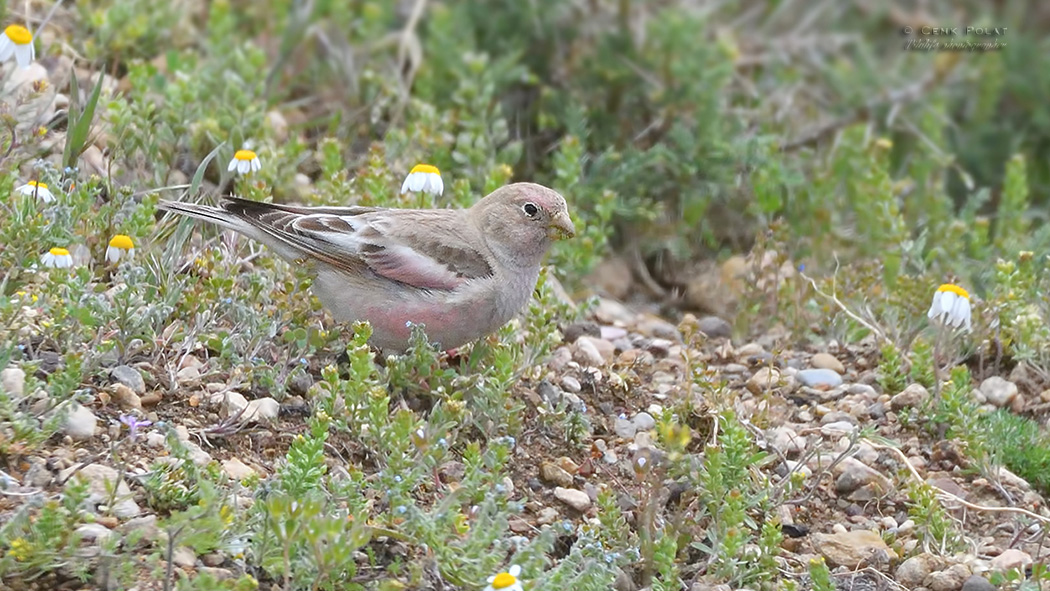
215	215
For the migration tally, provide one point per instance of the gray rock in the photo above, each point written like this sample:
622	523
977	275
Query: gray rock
577	499
579	329
977	583
852	474
586	353
13	381
912	396
605	348
80	422
130	377
787	441
819	378
949	579
612	333
913	571
998	391
555	474
144	527
624	428
100	479
715	327
763	380
94	532
571	384
261	409
184	557
643	421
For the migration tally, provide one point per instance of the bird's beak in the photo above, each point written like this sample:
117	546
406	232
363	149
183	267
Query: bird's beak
561	226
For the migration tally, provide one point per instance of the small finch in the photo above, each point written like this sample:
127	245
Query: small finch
462	273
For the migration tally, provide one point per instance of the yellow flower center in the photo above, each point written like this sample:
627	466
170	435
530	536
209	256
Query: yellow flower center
59	252
425	168
955	289
122	242
37	185
502	580
18	34
244	155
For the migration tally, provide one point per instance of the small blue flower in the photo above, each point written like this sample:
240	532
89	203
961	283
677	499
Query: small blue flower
401	509
397	478
802	267
442	442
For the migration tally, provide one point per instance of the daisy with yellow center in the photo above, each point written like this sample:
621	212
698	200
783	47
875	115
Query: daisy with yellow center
423	178
37	189
951	306
17	41
57	258
507	581
120	246
244	162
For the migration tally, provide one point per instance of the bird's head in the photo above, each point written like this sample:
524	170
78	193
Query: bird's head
521	220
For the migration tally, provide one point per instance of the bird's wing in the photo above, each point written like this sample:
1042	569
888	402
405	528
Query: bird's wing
427	249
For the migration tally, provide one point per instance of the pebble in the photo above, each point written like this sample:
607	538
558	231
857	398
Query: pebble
576	499
765	379
571	384
822	379
643	421
80	422
978	583
546	516
998	392
261	409
852	474
837	429
749	350
184	557
624	428
787	441
130	377
913	571
612	333
236	469
715	327
555	474
126	398
579	329
188	375
827	361
100	479
853	549
586	353
94	532
1011	559
13	381
949	579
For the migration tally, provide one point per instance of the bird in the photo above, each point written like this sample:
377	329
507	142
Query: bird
460	273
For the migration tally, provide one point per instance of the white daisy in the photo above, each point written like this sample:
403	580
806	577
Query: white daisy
507	581
57	258
244	162
38	189
951	306
119	246
423	178
17	41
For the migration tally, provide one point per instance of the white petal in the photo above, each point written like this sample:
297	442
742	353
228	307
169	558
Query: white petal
935	307
7	48
244	167
256	165
24	55
232	166
112	254
131	252
45	194
434	184
416	181
948	303
48	260
404	185
515	569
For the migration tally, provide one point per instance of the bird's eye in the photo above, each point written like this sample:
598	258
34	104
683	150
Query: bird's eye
530	209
